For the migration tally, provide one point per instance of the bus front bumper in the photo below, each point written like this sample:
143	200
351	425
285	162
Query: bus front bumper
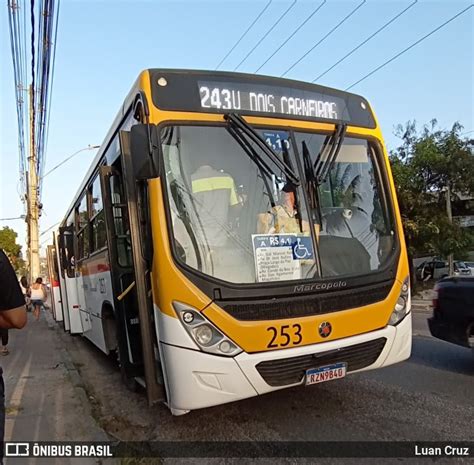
196	380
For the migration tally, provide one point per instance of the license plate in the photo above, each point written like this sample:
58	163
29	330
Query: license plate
326	373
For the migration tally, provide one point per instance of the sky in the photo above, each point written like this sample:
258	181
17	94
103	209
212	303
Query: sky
103	45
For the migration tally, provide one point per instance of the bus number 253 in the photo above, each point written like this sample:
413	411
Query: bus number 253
290	334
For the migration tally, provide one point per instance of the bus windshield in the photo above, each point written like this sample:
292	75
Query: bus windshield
236	216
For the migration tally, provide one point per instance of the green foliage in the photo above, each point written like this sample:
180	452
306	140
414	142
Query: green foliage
423	167
12	249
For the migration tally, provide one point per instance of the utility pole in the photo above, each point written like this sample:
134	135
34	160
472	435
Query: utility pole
450	219
32	207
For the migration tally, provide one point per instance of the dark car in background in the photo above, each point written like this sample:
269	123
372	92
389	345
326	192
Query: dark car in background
453	311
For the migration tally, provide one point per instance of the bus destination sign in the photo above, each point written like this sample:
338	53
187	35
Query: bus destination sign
247	94
258	98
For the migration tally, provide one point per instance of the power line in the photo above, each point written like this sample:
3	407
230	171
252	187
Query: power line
44	66
410	47
51	87
18	50
244	34
266	34
32	63
340	23
290	36
366	40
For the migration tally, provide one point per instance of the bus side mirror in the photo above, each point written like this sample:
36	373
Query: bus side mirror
144	149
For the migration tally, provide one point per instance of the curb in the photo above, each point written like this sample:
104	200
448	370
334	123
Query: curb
422	307
424	310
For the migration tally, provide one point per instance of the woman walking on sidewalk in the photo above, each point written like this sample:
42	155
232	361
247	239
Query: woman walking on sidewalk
25	289
37	296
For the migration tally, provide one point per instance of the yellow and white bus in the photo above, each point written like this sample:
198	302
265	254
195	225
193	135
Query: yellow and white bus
238	234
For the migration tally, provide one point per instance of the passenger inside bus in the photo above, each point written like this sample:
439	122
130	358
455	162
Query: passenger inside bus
283	218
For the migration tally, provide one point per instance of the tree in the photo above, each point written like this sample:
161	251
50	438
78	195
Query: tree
425	167
11	248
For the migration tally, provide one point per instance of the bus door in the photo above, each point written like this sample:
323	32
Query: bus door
54	283
130	272
122	272
62	265
66	236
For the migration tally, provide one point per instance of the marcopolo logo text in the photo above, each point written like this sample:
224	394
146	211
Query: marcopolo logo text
320	286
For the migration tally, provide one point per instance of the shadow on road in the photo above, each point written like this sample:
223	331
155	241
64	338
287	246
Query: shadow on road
442	355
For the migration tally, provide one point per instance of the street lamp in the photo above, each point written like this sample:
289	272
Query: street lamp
22	217
89	147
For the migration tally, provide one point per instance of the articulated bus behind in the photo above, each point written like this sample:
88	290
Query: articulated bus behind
238	234
55	291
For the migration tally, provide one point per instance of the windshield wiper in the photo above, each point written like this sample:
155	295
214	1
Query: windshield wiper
329	153
265	171
241	125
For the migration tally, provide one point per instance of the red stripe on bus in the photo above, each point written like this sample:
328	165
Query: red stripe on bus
93	268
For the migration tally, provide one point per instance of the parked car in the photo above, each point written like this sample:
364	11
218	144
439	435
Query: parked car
471	267
436	269
453	311
462	269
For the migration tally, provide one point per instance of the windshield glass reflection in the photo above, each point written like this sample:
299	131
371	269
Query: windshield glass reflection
240	220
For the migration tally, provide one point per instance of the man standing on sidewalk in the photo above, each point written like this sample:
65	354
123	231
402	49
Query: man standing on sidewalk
12	315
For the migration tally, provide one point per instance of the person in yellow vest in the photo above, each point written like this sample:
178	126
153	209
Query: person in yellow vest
217	205
215	201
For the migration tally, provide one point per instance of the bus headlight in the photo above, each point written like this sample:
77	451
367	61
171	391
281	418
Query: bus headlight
206	335
203	334
402	306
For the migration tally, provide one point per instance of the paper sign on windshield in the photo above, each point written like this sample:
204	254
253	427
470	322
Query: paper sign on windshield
278	256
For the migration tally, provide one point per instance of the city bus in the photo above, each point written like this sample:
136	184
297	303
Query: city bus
235	235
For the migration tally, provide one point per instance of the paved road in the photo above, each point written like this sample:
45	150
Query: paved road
429	397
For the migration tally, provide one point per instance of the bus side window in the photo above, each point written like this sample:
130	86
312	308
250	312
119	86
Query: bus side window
99	238
82	228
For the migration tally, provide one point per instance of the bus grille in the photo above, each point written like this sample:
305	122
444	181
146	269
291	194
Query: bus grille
298	306
292	370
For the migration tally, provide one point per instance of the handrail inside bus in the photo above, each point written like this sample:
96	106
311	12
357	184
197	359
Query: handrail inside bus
126	291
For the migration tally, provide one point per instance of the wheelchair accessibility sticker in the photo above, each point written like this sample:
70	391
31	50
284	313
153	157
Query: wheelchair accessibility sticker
278	257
